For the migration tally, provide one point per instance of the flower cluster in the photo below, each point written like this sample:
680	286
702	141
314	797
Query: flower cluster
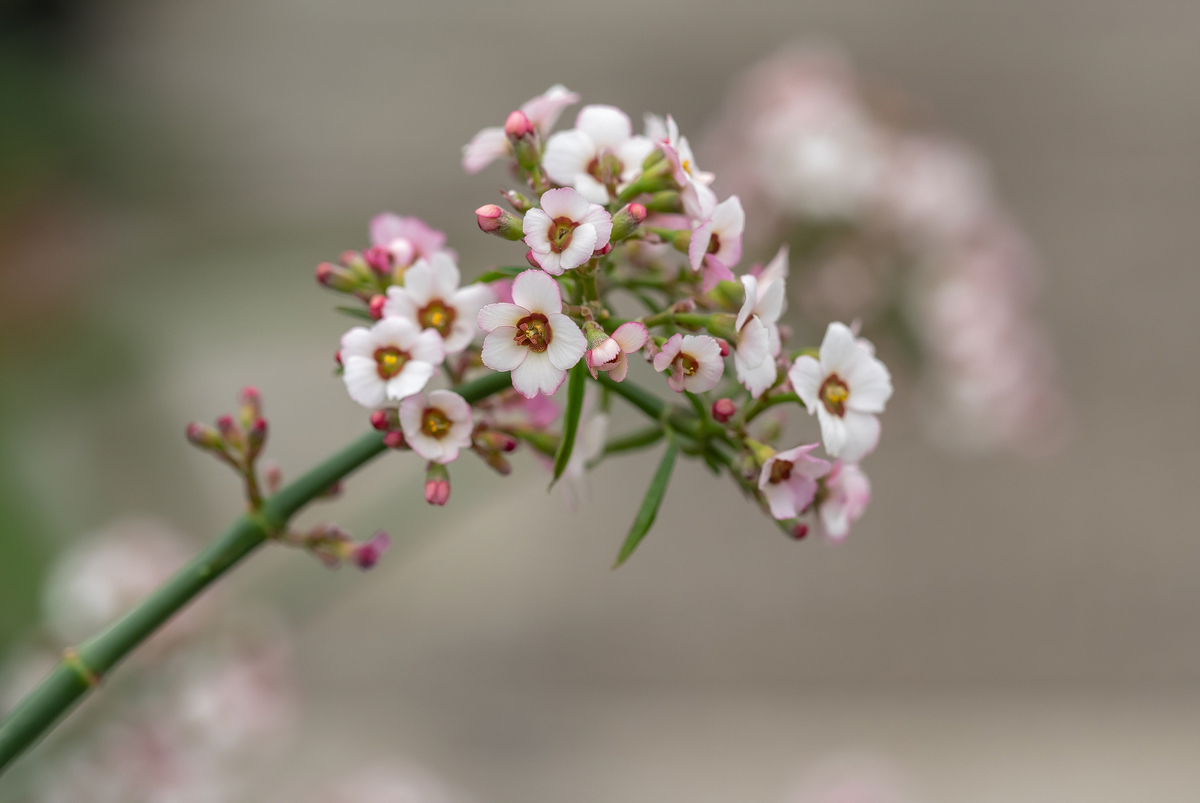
609	221
897	225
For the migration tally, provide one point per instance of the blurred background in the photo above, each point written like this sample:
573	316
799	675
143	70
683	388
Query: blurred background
1005	623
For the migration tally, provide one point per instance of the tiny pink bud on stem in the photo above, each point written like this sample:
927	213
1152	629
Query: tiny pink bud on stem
204	436
517	201
231	433
335	277
368	553
799	531
437	484
724	344
272	476
249	406
723	410
494	220
375	306
379	259
517	125
256	436
395	440
626	221
385	418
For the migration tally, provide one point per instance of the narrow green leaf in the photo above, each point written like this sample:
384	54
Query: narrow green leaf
653	498
643	399
575	389
504	272
356	312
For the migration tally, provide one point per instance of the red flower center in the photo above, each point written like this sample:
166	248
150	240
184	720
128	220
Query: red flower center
834	392
436	315
560	234
434	423
534	331
389	361
781	471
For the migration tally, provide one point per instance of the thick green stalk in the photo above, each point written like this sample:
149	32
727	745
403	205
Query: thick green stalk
82	669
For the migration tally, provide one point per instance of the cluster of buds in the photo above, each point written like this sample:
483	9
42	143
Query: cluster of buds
237	440
605	212
333	546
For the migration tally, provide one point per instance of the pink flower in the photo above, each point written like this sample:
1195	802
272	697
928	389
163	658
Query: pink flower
438	425
716	243
531	337
566	230
846	388
757	325
432	298
677	149
788	480
612	354
511	410
846	495
695	362
391	360
599	156
492	143
405	238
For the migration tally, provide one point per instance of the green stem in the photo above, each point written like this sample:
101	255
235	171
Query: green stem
83	668
766	402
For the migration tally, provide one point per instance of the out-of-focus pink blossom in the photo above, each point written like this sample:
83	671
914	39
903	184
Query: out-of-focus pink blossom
846	494
406	238
788	480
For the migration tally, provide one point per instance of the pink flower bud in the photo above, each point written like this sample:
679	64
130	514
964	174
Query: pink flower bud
256	436
395	440
203	436
272	476
249	405
385	419
368	553
335	277
684	306
337	358
626	221
517	201
724	344
379	258
230	432
723	410
517	125
496	440
494	220
529	257
437	484
799	531
599	252
375	307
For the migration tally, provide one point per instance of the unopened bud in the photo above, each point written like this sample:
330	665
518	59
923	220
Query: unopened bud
494	220
203	436
684	306
531	260
724	344
517	125
385	419
723	410
599	252
368	553
375	306
231	433
437	484
594	333
494	439
626	221
335	277
395	440
379	259
517	201
496	461
681	240
272	475
256	436
799	531
665	201
249	405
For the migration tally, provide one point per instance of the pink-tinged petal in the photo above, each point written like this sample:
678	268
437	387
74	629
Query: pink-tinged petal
503	290
591	189
803	490
698	201
484	148
862	436
698	246
385	228
607	126
583	243
426	239
728	217
362	381
420	283
537	375
806	377
567	343
770	301
411	411
750	288
777	268
676	381
839	349
358	342
500	314
537	291
667	354
462	332
567	155
606	352
753	343
632	153
654	127
707	375
631	336
870	385
536	226
397	331
780	499
619	371
565	202
501	352
548	261
412	379
454	406
715	272
399	304
804	463
597	217
833	431
428	347
756	379
704	348
543	111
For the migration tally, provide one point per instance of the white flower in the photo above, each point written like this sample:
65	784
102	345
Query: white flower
695	362
846	388
846	495
599	156
677	149
391	360
432	298
492	143
566	230
438	425
788	480
757	325
531	337
716	243
612	354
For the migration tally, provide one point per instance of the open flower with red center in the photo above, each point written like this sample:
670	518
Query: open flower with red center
405	239
566	230
432	298
599	156
438	425
391	360
716	243
695	362
612	353
847	387
491	144
788	480
531	337
844	496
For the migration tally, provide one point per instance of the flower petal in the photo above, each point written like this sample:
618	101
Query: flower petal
839	349
412	379
500	314
756	379
537	291
591	189
607	126
862	436
399	303
618	372
444	273
536	227
753	343
715	272
358	342
453	405
412	409
870	385
501	352
833	431
565	202
543	111
548	261
698	245
780	500
567	343
537	375
420	283
428	347
598	217
395	331
632	153
583	243
631	336
806	377
567	155
750	288
362	381
484	148
667	354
